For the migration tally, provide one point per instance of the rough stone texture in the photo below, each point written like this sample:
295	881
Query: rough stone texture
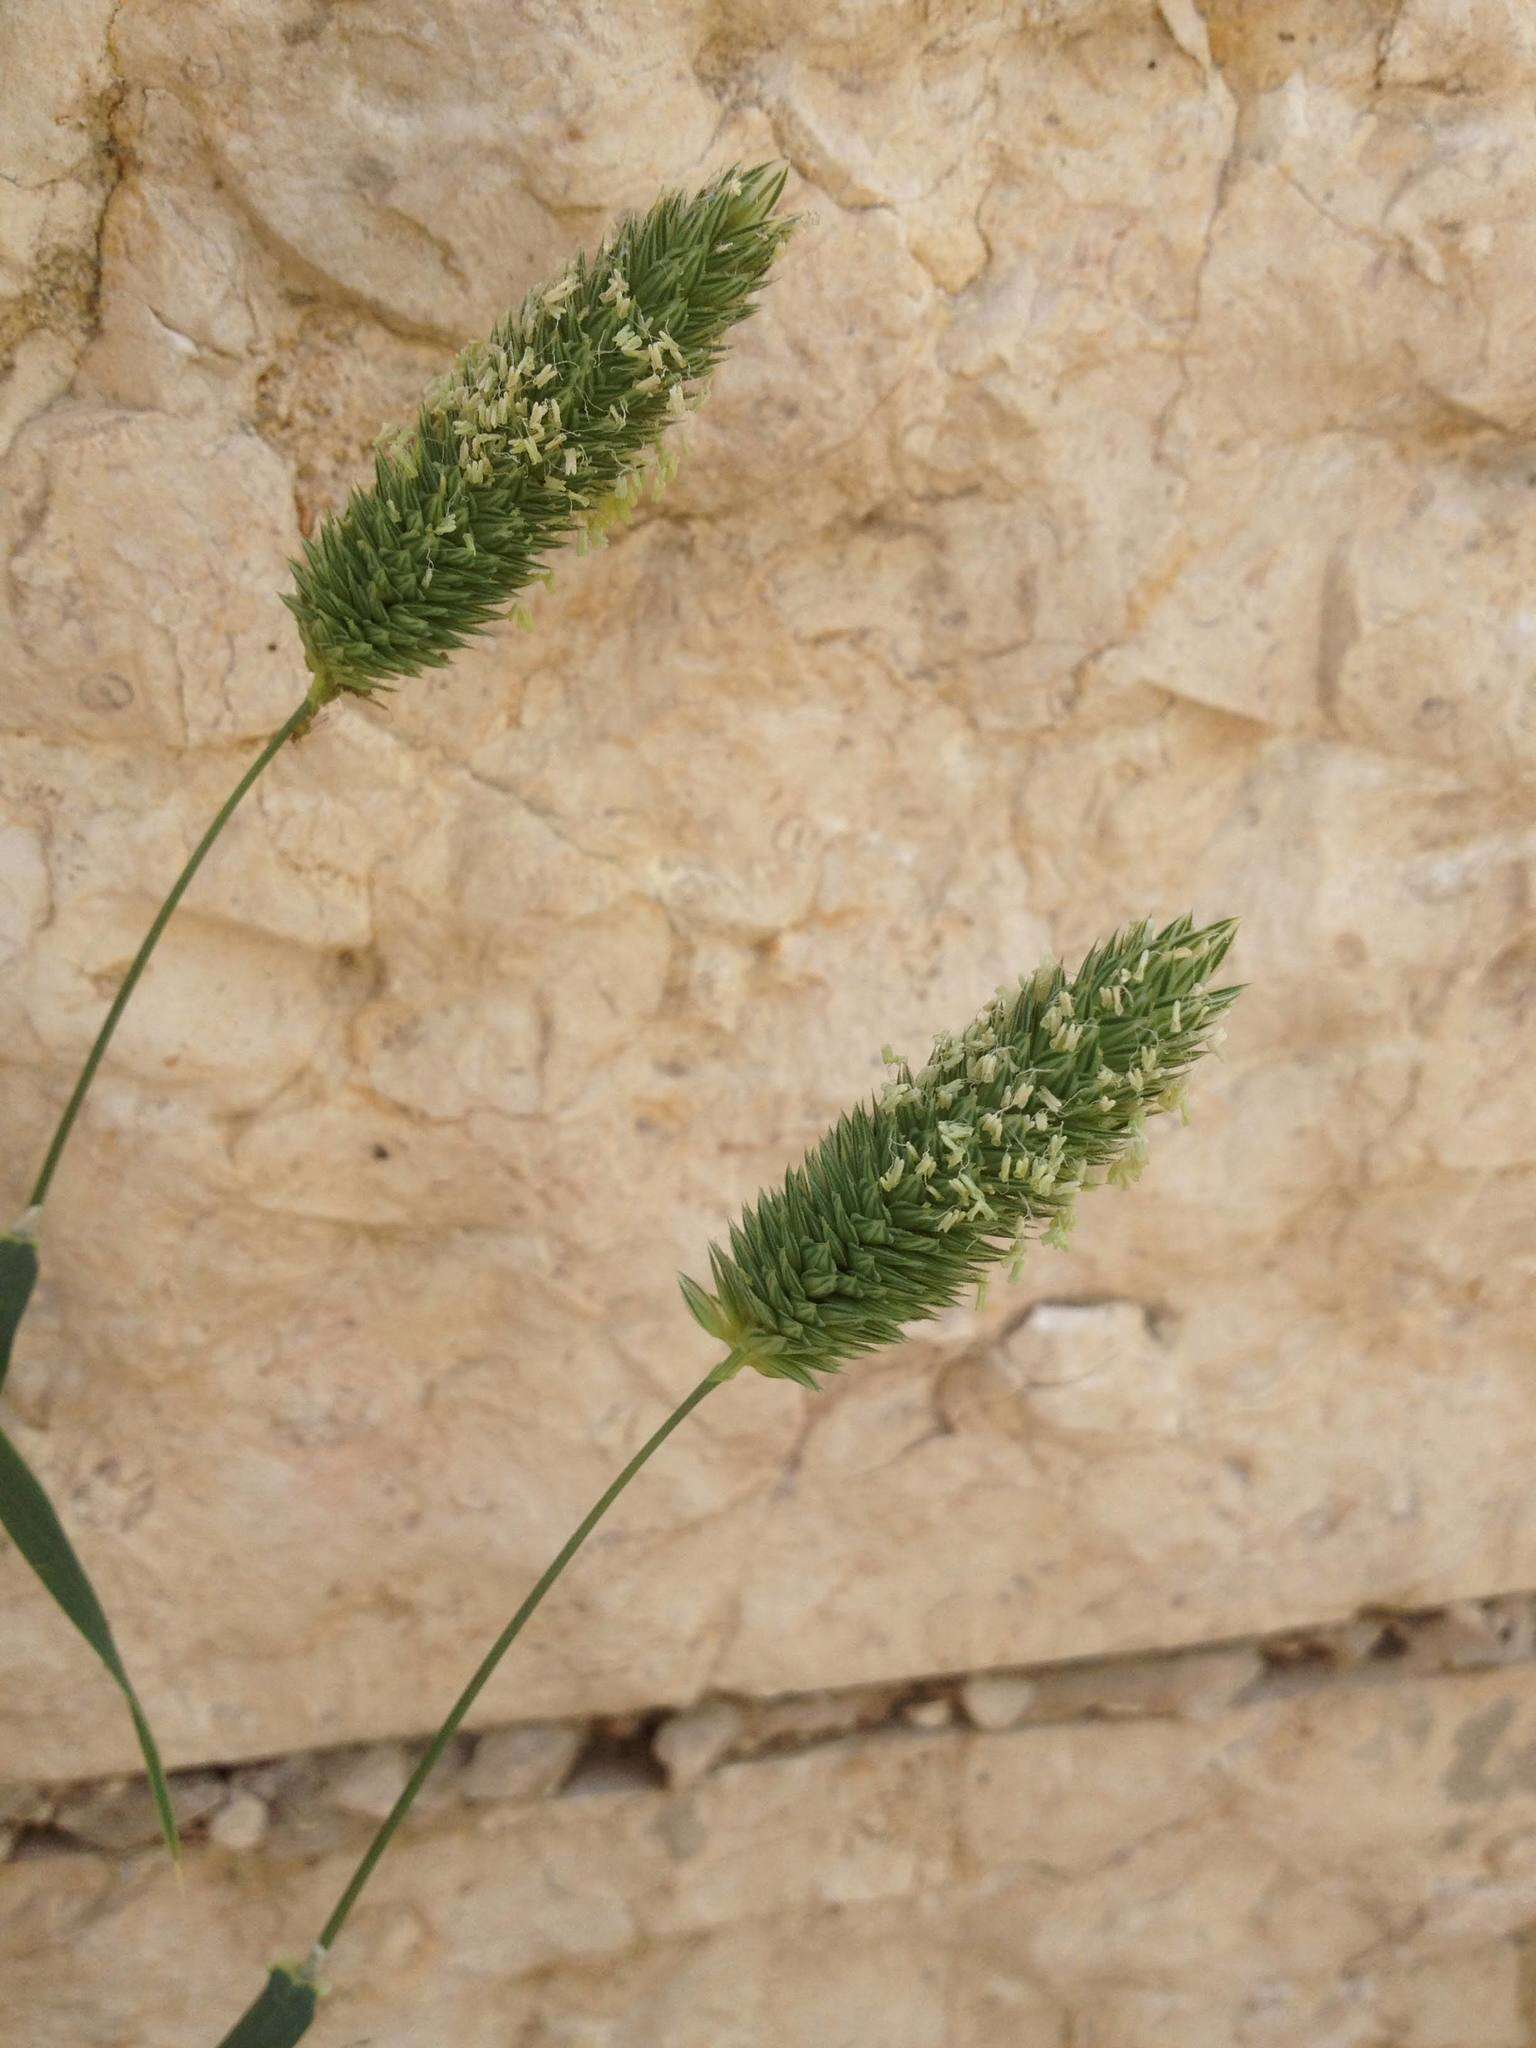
1350	1868
1122	502
1326	1696
1117	503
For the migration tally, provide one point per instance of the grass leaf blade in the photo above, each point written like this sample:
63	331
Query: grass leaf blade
18	1276
281	2014
29	1520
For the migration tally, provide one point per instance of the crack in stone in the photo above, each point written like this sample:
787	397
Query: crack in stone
1226	171
1379	1647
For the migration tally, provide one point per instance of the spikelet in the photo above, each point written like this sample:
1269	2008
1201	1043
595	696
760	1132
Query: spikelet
908	1200
539	434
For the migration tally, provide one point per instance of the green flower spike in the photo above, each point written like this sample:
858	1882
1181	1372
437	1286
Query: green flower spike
898	1208
542	432
539	433
908	1201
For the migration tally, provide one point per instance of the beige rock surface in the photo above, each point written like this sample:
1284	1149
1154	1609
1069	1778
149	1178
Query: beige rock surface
1122	502
1349	1867
1002	595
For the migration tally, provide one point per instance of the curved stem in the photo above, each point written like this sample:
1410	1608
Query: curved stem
497	1651
179	888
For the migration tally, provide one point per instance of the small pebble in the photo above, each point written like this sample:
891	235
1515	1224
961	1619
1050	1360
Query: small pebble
527	1762
928	1713
996	1699
241	1825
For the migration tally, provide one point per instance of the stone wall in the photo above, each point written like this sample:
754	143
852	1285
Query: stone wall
1124	501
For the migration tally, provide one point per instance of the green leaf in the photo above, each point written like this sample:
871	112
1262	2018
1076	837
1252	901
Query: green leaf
18	1276
30	1522
281	2015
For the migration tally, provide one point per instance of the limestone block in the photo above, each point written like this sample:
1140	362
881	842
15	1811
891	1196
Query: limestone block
1119	504
1347	1866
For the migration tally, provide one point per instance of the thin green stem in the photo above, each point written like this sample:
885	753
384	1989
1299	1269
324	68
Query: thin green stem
498	1650
141	959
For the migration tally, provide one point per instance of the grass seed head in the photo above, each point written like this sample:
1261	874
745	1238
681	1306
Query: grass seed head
538	434
910	1198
